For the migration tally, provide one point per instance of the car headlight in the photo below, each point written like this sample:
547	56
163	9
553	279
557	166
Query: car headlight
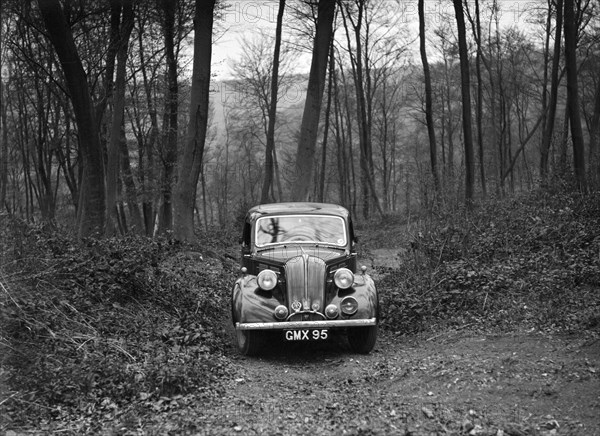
343	278
349	306
267	279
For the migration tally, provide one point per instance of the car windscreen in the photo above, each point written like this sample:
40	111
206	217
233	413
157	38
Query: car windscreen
319	229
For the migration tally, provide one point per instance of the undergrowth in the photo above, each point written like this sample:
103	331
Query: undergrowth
531	262
92	327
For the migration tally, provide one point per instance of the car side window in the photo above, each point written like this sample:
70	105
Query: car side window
353	239
246	234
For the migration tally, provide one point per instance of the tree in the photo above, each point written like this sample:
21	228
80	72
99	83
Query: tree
466	98
476	25
428	99
3	146
595	141
143	113
363	89
190	160
554	81
170	123
91	212
305	154
270	148
570	26
114	148
321	186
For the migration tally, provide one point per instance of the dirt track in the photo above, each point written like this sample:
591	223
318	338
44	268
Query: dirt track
456	383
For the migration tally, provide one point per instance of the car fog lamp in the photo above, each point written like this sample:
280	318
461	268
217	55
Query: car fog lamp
331	311
281	312
267	279
349	305
343	278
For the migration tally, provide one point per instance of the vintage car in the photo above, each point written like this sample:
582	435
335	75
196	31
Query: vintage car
299	278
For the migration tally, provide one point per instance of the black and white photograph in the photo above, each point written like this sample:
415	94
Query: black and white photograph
300	217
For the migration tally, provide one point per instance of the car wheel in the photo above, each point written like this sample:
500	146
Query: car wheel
249	342
362	339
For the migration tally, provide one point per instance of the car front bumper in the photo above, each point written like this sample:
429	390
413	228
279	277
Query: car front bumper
283	325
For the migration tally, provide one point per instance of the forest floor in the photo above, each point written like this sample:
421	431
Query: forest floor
490	328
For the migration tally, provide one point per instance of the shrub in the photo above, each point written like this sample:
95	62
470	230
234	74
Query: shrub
93	325
530	261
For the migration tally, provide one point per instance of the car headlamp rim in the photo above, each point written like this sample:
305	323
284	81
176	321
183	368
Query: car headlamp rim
267	279
343	278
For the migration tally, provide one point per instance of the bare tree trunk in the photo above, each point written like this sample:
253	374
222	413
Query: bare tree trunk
66	163
428	100
352	201
321	193
479	99
449	125
111	55
114	156
595	142
466	99
170	126
364	127
270	149
3	147
190	160
147	166
549	126
312	107
91	212
130	188
573	93
546	75
564	140
339	139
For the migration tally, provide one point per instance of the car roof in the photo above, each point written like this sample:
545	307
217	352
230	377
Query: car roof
296	208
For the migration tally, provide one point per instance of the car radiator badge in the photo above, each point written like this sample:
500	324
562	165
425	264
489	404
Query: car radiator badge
305	304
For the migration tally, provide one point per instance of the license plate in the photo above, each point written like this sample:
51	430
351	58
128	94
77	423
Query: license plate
306	335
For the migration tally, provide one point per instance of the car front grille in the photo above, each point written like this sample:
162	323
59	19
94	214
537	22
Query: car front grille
305	281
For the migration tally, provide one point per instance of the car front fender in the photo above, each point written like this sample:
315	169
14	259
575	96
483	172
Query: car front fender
364	291
250	303
366	295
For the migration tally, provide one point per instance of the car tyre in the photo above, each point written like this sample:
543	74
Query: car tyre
249	342
362	339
